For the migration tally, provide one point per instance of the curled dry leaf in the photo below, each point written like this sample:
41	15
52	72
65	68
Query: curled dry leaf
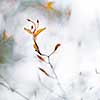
39	31
56	47
28	31
41	58
44	71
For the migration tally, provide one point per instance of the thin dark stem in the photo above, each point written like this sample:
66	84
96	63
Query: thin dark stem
21	95
52	53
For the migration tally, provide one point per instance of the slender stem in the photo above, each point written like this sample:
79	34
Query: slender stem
52	53
4	85
21	95
49	62
56	77
32	22
4	79
49	89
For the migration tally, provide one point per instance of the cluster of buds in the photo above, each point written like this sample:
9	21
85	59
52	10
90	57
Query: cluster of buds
34	31
41	55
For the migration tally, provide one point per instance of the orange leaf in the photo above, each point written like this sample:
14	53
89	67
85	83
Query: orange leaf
42	59
50	5
39	31
35	47
44	71
28	31
56	47
5	36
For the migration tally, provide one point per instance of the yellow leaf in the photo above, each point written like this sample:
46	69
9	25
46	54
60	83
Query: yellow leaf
35	47
39	31
50	5
5	36
28	31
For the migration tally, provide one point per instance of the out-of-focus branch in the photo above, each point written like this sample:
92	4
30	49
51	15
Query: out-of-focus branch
49	89
7	86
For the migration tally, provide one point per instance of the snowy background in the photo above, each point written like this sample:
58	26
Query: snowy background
76	62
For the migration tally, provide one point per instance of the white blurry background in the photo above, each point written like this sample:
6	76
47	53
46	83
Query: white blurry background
75	61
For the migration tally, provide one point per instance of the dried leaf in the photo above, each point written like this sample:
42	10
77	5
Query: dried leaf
44	71
28	31
56	47
41	58
39	31
35	47
5	36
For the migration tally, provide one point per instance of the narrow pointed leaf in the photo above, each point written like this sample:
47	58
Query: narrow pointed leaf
38	32
28	31
41	58
44	71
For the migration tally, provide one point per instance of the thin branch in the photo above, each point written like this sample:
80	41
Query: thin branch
56	77
17	92
4	79
97	71
49	62
49	89
11	89
51	53
4	85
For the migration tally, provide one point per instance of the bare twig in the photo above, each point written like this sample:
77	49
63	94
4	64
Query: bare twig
56	77
52	67
49	89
